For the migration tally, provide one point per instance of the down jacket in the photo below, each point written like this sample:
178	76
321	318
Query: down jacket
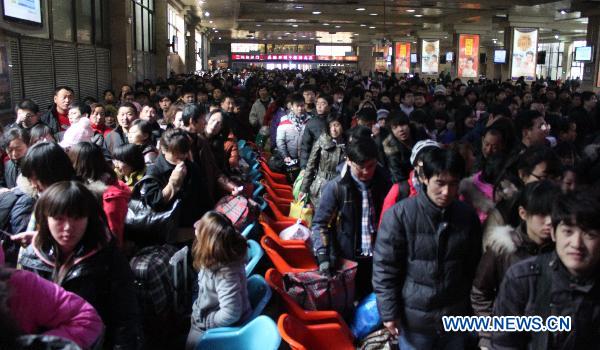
289	137
115	199
313	130
504	247
322	165
39	306
101	276
424	262
397	158
478	194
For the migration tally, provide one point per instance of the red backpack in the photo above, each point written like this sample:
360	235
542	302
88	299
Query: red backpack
240	210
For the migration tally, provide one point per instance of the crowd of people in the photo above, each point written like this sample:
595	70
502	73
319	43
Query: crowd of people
454	198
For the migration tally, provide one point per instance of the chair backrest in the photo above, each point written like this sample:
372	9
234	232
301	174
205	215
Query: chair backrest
246	231
303	336
275	280
255	253
259	334
279	215
259	293
267	226
292	258
180	273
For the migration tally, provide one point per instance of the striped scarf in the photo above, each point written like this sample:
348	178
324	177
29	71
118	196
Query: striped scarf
367	219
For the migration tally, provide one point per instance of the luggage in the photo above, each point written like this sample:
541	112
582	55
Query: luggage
314	291
366	317
152	273
146	226
378	340
240	210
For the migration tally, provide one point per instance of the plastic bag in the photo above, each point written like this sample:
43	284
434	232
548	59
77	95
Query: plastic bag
295	232
302	211
366	318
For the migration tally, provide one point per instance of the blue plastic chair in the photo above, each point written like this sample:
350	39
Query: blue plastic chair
248	229
259	294
255	253
261	203
241	144
258	189
258	334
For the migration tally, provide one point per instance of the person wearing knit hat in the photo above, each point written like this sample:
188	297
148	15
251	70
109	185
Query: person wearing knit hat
382	114
439	90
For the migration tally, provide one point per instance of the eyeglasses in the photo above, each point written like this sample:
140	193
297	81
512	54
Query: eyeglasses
545	126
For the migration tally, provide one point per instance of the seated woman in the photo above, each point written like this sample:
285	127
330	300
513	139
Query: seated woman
15	142
74	249
140	134
90	166
40	133
174	175
129	164
507	245
219	254
326	154
35	306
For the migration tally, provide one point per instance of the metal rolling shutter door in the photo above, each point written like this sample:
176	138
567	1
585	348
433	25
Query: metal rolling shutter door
86	62
36	67
103	70
65	65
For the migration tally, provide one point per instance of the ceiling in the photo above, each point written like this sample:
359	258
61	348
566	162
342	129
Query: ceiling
338	21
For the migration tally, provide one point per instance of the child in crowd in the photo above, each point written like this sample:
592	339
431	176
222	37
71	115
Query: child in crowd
219	254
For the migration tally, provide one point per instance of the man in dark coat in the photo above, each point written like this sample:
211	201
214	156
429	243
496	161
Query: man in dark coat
344	225
565	282
57	117
425	257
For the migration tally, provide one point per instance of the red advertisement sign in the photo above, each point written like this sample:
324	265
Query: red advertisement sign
468	55
402	58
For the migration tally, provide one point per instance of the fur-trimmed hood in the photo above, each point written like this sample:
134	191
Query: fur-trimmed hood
507	240
26	187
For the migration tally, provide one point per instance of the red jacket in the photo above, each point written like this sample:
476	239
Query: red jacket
114	202
395	194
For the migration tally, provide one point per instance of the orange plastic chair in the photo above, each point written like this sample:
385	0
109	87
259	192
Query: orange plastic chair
277	191
275	281
275	225
271	233
302	336
275	176
278	207
288	258
275	180
276	185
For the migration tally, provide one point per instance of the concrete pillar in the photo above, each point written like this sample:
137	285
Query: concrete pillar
366	62
566	61
191	22
121	40
161	38
591	71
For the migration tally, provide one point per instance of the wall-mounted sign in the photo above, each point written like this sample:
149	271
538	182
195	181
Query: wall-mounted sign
468	55
290	57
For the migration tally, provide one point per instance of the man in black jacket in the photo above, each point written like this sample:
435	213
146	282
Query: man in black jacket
344	225
314	128
57	116
565	282
426	253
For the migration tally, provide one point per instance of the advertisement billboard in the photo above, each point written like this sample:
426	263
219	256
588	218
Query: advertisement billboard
402	58
468	55
430	54
524	50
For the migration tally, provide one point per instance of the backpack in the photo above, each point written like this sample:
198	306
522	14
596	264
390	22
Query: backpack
152	278
240	210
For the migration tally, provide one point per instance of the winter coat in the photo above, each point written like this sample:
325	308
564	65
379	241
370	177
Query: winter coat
222	297
232	154
519	295
424	262
115	199
49	118
115	138
193	192
11	171
278	113
40	306
289	137
257	113
336	226
478	194
101	276
150	154
322	165
502	249
397	156
313	130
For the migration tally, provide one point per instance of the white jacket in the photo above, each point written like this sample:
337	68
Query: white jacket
257	113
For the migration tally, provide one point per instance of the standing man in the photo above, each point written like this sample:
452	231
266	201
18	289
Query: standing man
426	254
259	108
57	117
314	128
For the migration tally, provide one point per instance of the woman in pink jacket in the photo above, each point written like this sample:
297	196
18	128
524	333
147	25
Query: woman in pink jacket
36	306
